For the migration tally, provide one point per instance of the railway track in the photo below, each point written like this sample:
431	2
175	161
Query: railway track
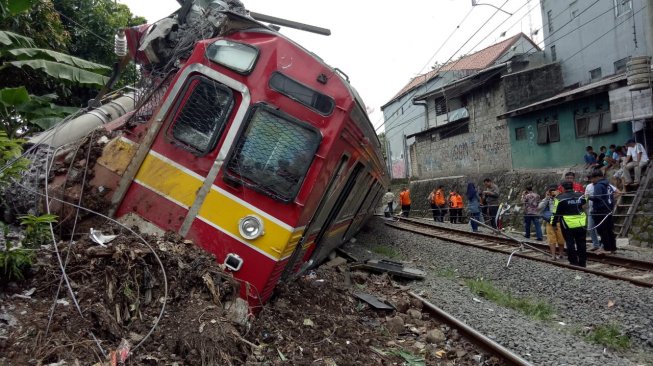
611	266
507	356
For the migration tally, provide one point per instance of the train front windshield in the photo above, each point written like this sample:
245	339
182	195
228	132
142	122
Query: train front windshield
273	154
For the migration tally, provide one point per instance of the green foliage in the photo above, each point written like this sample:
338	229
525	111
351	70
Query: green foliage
20	112
537	309
37	229
13	7
14	262
11	164
610	336
409	358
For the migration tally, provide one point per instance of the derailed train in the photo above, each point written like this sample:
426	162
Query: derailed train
251	147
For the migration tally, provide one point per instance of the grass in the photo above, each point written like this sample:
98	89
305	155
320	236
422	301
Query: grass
449	273
386	251
537	309
610	336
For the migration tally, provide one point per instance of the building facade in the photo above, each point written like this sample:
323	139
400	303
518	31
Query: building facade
405	115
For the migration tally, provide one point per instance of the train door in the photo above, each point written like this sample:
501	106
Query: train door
322	249
319	218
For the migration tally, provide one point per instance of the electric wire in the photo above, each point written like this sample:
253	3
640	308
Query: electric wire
530	49
569	58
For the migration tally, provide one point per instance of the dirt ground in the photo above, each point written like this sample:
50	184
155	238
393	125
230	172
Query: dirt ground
314	320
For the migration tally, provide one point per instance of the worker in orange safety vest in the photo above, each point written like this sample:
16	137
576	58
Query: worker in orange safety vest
404	201
455	207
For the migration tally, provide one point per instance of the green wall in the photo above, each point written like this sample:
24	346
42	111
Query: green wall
528	154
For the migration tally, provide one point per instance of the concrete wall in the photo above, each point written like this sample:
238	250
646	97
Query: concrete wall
528	154
529	86
484	149
578	35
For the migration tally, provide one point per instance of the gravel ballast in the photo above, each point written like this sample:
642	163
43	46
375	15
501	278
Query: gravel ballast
581	301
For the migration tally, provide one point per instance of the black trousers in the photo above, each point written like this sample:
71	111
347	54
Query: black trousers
491	213
605	228
390	209
576	249
405	209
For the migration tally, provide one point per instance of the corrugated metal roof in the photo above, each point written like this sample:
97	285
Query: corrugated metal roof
476	61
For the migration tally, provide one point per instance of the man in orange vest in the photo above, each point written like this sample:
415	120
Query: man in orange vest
404	201
456	207
438	204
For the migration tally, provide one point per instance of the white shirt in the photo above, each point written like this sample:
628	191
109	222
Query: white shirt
635	150
589	191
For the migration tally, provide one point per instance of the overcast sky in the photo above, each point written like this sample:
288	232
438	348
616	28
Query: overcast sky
381	45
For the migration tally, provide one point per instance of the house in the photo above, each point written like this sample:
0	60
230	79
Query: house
593	42
405	115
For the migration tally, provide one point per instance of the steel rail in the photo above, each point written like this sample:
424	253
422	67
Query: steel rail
479	338
463	237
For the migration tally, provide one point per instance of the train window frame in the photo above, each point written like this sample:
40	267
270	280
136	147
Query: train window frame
234	177
183	98
287	92
228	43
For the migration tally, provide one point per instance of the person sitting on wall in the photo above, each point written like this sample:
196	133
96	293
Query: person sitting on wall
636	159
590	158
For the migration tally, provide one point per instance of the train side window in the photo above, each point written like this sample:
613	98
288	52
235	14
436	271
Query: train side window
201	114
273	153
323	104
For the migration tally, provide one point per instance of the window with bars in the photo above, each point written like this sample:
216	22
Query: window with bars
273	153
549	19
548	132
554	56
440	107
201	114
594	124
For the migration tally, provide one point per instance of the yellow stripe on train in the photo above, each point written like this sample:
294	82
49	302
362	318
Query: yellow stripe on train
180	186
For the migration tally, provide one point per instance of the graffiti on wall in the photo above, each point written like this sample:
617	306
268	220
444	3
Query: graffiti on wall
485	150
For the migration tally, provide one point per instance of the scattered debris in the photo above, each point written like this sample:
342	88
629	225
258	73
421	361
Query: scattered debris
99	238
373	301
390	267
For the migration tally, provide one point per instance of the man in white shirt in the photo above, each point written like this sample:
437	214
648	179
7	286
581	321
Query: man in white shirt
636	159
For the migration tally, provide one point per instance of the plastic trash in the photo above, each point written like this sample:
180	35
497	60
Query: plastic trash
99	238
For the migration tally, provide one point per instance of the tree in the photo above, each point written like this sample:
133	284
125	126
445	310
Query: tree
43	70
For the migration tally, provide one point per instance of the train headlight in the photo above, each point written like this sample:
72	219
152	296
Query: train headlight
236	56
250	227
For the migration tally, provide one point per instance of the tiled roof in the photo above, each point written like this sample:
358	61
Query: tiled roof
476	61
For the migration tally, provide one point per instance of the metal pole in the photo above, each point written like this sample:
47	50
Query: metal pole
289	23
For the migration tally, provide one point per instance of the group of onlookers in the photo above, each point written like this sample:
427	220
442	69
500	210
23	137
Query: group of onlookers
619	162
568	211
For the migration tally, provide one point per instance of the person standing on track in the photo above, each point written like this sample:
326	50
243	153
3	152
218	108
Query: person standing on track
389	199
473	206
569	212
438	204
404	201
456	207
602	205
531	200
491	197
553	232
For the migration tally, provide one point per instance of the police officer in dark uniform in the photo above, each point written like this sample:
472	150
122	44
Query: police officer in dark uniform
568	210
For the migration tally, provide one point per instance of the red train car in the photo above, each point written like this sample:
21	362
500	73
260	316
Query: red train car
258	151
